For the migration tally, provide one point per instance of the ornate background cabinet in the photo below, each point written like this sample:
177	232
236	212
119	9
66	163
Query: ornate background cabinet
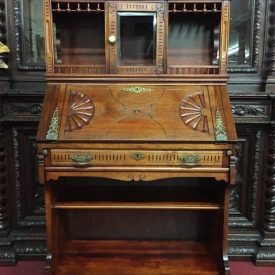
251	86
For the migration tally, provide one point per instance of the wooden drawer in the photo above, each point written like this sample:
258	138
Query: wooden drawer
62	157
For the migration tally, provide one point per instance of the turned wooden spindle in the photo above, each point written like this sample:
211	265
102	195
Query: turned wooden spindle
78	7
215	8
184	8
98	7
88	7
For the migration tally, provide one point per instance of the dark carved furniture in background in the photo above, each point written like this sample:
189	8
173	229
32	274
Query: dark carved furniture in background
251	86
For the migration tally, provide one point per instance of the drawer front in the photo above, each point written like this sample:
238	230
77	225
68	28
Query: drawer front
62	157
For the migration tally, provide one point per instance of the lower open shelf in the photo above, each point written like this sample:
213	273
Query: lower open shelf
88	257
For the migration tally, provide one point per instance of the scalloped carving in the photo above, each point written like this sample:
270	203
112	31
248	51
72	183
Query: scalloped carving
192	112
80	112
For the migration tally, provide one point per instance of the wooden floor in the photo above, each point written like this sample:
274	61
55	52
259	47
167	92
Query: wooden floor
137	258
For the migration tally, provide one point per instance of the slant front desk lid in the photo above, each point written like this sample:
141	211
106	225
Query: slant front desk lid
137	113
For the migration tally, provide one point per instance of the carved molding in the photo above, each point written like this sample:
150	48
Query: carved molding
17	175
239	110
136	177
271	39
266	253
7	257
23	108
235	198
246	112
259	144
26	246
3	30
241	251
3	188
246	218
266	256
24	218
270	52
269	214
245	207
80	111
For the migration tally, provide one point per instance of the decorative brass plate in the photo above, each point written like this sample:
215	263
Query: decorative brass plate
137	90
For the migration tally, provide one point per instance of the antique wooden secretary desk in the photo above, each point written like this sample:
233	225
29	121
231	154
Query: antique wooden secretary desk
136	141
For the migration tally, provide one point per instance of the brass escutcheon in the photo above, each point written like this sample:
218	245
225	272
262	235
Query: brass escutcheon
190	160
81	159
137	156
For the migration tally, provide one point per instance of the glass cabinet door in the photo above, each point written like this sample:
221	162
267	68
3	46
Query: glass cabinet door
136	37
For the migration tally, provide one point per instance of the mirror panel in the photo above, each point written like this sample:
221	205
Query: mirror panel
32	33
241	33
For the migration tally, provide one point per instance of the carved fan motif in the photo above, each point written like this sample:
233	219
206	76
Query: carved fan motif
192	112
81	111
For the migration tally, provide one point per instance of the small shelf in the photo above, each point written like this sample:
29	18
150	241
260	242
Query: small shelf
139	205
137	257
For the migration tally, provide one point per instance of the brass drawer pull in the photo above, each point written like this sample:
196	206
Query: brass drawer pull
81	159
190	160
